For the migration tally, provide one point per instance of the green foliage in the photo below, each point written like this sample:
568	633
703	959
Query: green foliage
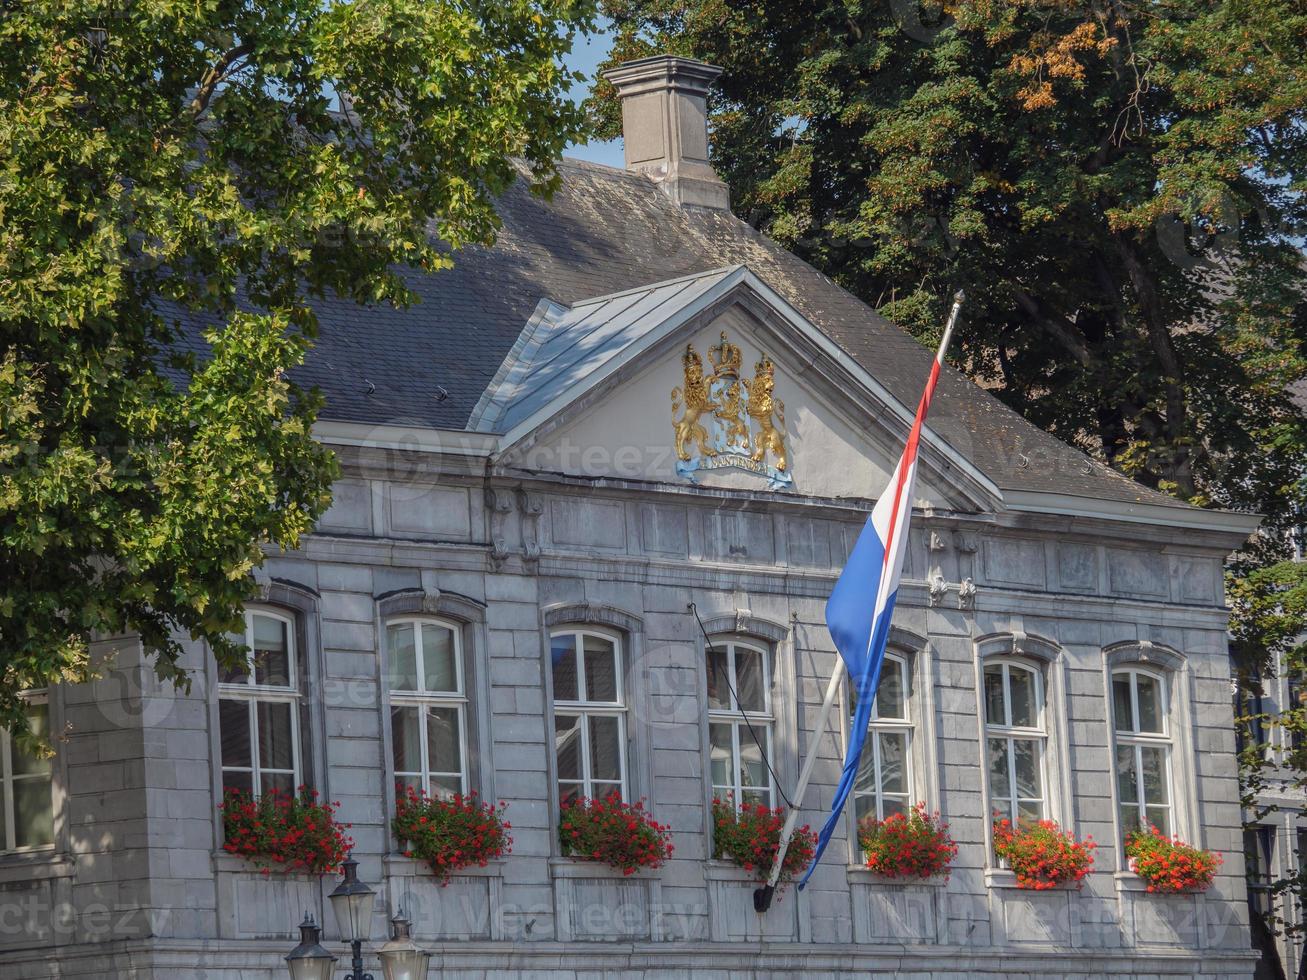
1117	185
163	160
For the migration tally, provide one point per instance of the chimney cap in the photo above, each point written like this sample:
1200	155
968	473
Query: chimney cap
665	126
663	69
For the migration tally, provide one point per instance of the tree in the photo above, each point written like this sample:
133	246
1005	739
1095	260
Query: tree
1117	185
171	162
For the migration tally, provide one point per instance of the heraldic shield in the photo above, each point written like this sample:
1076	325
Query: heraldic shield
723	421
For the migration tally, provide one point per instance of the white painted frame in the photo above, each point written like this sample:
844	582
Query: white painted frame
423	700
7	780
1012	734
739	719
253	695
586	709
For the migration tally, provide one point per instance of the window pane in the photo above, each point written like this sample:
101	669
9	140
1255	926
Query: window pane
446	785
865	781
864	806
1001	809
890	696
999	785
442	740
1150	703
438	658
1121	712
1025	708
567	746
568	792
1127	779
1155	788
562	654
275	740
1029	811
600	669
749	680
409	782
1129	818
605	748
27	763
895	804
1026	758
604	790
271	651
403	657
242	781
893	762
752	772
1160	817
994	714
234	732
33	815
720	754
282	782
756	797
719	691
406	738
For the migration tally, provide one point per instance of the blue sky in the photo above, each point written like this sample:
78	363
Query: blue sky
585	57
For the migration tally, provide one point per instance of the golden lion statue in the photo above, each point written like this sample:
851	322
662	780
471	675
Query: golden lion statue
688	429
761	407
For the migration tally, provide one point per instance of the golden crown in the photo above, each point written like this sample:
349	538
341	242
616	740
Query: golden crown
725	358
764	366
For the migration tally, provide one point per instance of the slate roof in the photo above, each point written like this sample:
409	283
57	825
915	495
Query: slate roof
607	231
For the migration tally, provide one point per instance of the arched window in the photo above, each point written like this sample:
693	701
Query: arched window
1140	710
259	708
740	720
589	713
1016	739
428	705
884	783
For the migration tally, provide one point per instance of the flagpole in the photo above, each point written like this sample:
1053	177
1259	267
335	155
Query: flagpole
762	896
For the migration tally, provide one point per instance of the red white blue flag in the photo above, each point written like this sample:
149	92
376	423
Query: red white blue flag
861	605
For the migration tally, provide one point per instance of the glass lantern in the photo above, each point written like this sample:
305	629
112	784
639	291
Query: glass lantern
308	960
352	901
401	959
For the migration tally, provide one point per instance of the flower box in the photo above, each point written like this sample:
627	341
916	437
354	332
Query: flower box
284	833
1042	855
1167	864
915	845
608	831
450	833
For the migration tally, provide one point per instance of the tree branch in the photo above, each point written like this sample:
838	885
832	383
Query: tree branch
216	75
1058	327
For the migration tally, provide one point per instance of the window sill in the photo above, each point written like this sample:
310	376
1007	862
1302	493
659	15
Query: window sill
862	875
1003	878
571	867
725	871
234	863
399	866
1128	881
36	865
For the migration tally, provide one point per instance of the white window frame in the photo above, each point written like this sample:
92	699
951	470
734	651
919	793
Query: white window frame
425	700
878	725
7	780
585	710
1014	733
255	694
1138	741
740	720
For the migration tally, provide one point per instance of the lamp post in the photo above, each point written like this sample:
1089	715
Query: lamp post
352	902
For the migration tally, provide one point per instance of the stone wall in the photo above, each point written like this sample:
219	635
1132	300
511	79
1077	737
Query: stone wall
508	557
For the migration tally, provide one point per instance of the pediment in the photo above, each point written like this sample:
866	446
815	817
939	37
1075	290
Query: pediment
714	382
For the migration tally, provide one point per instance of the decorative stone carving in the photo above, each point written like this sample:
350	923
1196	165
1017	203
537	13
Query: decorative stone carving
967	542
938	588
431	601
935	541
500	503
531	506
967	593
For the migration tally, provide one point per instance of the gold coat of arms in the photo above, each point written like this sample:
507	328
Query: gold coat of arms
722	420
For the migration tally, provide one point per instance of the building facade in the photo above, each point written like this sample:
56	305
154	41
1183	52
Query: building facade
594	493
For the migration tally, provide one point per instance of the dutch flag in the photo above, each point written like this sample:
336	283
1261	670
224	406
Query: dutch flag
861	605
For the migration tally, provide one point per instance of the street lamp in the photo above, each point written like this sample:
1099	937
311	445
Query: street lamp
308	960
352	901
401	959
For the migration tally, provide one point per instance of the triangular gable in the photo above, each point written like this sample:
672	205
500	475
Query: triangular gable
598	376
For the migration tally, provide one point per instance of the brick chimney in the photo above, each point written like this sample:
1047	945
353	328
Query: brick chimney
665	126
